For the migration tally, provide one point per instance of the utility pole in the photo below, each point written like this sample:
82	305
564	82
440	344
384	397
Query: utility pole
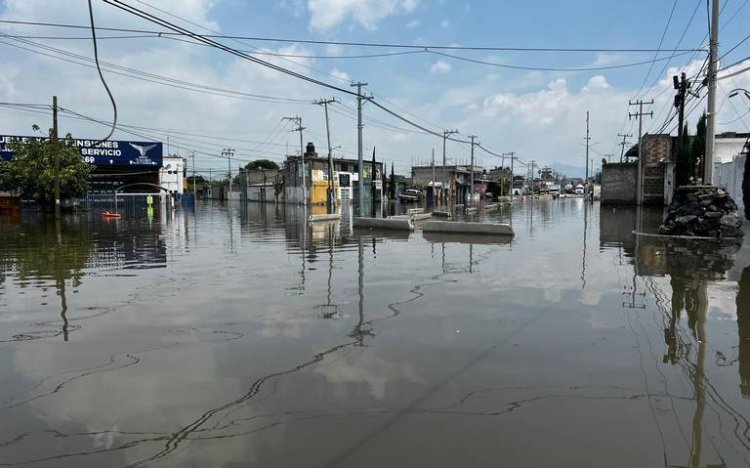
446	134
681	84
471	189
531	173
708	164
192	155
433	178
373	191
360	161
622	144
639	115
588	140
330	200
298	120
228	152
56	150
512	155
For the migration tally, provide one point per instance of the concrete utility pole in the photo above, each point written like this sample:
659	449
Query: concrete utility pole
708	164
227	153
471	189
588	140
360	161
433	177
446	134
192	155
298	120
512	155
531	173
639	115
622	144
330	200
56	149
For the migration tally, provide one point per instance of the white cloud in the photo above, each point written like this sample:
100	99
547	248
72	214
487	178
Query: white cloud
596	82
341	75
445	24
327	14
441	66
412	24
334	50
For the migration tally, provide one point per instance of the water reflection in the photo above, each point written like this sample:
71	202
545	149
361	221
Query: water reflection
692	266
743	328
435	345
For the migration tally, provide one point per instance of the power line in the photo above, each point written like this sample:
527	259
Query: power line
658	49
101	76
356	44
147	76
569	69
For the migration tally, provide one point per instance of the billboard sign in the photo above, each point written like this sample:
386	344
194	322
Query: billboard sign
108	153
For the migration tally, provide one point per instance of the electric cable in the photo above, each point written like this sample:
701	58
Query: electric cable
101	76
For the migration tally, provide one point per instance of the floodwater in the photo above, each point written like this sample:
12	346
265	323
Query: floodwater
238	337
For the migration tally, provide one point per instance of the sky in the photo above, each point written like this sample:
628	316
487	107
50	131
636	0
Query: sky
200	99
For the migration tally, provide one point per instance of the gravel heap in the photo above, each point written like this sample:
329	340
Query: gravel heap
702	210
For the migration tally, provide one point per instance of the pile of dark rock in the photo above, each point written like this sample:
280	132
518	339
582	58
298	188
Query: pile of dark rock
702	210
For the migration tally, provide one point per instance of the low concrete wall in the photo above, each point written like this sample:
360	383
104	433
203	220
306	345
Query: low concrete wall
619	183
729	175
324	217
382	223
468	228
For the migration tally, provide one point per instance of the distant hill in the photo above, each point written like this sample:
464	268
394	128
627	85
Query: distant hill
571	171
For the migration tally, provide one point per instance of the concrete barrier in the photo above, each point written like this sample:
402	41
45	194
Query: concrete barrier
442	214
374	233
414	210
468	228
384	223
324	217
471	209
491	206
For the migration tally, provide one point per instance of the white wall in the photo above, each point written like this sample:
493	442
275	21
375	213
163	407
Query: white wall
729	175
171	174
727	148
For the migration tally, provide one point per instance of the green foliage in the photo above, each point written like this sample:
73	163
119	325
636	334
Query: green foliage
31	172
261	164
698	148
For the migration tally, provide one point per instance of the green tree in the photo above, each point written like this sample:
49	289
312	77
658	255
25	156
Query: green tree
685	160
261	163
392	185
698	148
31	172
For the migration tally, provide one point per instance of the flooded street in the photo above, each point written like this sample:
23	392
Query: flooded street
234	336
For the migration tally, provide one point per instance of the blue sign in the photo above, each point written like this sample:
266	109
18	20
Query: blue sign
108	153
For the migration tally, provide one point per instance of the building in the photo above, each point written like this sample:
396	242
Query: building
458	178
261	185
172	175
345	178
729	164
123	166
